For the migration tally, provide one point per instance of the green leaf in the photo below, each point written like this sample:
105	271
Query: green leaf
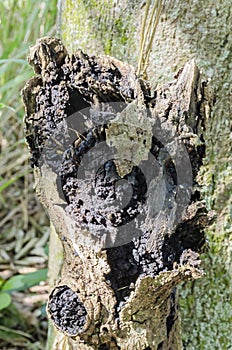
14	60
46	249
10	182
11	335
3	105
2	281
5	300
22	282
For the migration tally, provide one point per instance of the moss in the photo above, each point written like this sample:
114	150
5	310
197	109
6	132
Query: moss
99	27
75	25
206	307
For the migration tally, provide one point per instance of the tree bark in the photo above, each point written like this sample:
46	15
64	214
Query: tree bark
117	289
187	29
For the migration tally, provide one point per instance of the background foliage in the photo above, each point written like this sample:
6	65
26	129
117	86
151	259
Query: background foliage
24	228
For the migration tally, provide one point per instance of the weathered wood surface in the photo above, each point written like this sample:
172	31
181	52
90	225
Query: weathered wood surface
199	29
125	294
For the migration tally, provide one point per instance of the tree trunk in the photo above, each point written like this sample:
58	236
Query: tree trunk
187	29
114	314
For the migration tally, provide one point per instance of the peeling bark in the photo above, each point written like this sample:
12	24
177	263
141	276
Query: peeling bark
115	293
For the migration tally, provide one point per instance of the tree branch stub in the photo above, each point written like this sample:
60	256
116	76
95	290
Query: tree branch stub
117	289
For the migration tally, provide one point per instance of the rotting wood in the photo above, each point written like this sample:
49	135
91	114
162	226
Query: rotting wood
123	291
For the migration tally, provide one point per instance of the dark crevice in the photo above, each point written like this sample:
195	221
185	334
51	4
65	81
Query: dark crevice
104	347
160	346
172	315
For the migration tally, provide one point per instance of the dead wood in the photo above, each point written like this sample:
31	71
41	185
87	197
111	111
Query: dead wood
121	265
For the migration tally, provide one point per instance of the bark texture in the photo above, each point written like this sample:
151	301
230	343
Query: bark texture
117	295
187	29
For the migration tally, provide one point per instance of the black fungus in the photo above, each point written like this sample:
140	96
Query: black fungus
76	84
129	261
67	311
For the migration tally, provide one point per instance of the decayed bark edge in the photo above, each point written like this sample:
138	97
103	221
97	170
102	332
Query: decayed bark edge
86	272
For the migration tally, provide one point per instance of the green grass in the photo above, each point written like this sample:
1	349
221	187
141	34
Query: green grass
22	220
22	22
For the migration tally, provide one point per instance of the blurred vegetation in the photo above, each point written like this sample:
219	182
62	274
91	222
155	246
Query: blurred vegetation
24	228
